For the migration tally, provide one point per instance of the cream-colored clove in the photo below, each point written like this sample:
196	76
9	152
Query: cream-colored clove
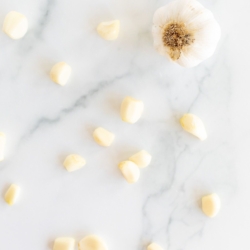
60	73
131	109
154	246
142	159
103	137
15	25
92	242
74	162
109	30
12	194
211	205
64	243
194	125
130	171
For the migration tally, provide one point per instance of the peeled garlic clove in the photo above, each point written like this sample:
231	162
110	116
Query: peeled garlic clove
15	25
92	242
12	194
60	73
64	243
131	109
103	137
2	145
130	171
142	159
74	162
211	205
109	30
154	246
194	125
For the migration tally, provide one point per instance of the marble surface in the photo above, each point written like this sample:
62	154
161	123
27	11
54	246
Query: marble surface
45	122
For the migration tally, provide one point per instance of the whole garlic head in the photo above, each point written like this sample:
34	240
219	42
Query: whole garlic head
185	32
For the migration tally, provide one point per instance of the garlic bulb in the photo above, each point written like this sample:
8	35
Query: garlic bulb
185	32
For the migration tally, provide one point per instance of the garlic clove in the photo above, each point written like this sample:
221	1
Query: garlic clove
131	109
12	194
142	159
103	137
154	246
92	242
194	125
2	145
64	243
74	162
130	171
211	205
60	73
109	30
15	25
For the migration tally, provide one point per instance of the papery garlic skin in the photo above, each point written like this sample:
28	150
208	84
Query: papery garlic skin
194	125
185	32
109	30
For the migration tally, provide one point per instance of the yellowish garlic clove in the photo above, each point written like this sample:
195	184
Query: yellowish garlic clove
15	25
131	109
142	159
109	30
130	171
154	246
194	125
12	194
211	205
92	242
60	73
64	243
2	145
103	137
74	162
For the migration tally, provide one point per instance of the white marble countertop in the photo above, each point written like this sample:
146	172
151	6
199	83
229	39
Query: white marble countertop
45	122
